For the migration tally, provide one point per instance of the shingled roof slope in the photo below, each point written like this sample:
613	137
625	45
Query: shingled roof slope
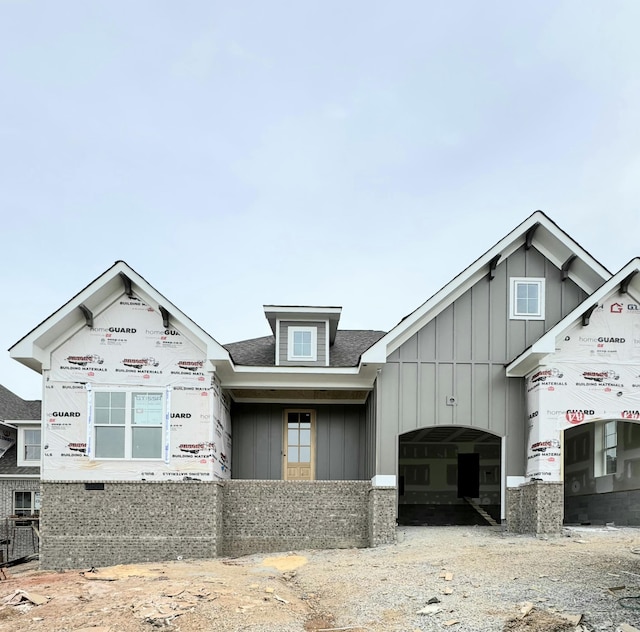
349	345
14	407
9	464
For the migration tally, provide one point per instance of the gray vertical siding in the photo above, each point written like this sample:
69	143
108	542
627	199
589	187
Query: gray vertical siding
343	434
370	439
462	353
321	327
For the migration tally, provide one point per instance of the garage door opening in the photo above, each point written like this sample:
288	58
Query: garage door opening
449	475
602	472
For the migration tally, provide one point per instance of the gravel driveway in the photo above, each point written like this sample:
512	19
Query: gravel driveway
470	579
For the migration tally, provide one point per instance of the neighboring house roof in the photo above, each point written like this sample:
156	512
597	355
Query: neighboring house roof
536	231
9	465
32	350
14	407
530	358
349	345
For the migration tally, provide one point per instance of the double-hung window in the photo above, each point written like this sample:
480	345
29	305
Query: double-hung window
527	299
26	503
29	446
302	344
128	424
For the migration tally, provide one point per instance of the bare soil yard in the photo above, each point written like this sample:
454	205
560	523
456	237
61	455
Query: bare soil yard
471	579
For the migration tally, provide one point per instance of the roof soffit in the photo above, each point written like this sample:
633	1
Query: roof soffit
547	238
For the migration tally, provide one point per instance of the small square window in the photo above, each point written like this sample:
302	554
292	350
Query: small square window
302	344
527	299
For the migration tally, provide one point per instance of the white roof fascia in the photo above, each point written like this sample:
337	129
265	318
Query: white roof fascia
301	310
478	270
33	349
529	359
14	423
18	477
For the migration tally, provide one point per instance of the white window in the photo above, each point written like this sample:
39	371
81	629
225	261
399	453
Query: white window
128	424
610	447
26	503
29	446
302	344
527	299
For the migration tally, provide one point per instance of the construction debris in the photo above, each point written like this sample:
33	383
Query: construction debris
20	597
433	609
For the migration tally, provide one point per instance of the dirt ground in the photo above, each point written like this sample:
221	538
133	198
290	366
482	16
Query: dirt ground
472	579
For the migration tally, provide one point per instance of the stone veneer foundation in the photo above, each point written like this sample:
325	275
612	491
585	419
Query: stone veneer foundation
535	508
127	522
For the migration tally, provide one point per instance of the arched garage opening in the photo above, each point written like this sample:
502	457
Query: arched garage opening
602	472
449	475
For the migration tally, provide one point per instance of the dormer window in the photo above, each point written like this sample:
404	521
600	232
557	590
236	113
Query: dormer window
303	335
302	344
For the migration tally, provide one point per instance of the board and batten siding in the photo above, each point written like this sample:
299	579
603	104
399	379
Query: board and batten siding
343	439
321	338
462	353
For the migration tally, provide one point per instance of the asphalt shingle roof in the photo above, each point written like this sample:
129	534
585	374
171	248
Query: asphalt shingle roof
349	345
14	407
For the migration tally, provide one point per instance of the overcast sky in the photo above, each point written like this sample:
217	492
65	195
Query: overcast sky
353	153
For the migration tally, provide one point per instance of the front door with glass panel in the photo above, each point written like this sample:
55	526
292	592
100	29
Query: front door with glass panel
299	445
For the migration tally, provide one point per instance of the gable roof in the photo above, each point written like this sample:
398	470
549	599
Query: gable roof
32	349
538	231
346	350
530	358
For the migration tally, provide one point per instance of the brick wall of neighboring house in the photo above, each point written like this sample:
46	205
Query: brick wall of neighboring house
137	522
16	541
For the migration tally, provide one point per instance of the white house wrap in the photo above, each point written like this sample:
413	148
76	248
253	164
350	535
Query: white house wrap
594	376
128	350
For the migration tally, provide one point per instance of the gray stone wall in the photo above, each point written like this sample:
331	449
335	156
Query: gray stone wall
263	516
130	522
535	508
127	523
621	508
382	515
17	541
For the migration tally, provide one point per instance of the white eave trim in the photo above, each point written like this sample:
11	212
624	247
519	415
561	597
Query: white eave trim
292	377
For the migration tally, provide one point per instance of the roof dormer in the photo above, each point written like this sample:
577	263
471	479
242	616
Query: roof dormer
304	335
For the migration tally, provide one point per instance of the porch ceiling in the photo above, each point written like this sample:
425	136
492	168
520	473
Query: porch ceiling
299	396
